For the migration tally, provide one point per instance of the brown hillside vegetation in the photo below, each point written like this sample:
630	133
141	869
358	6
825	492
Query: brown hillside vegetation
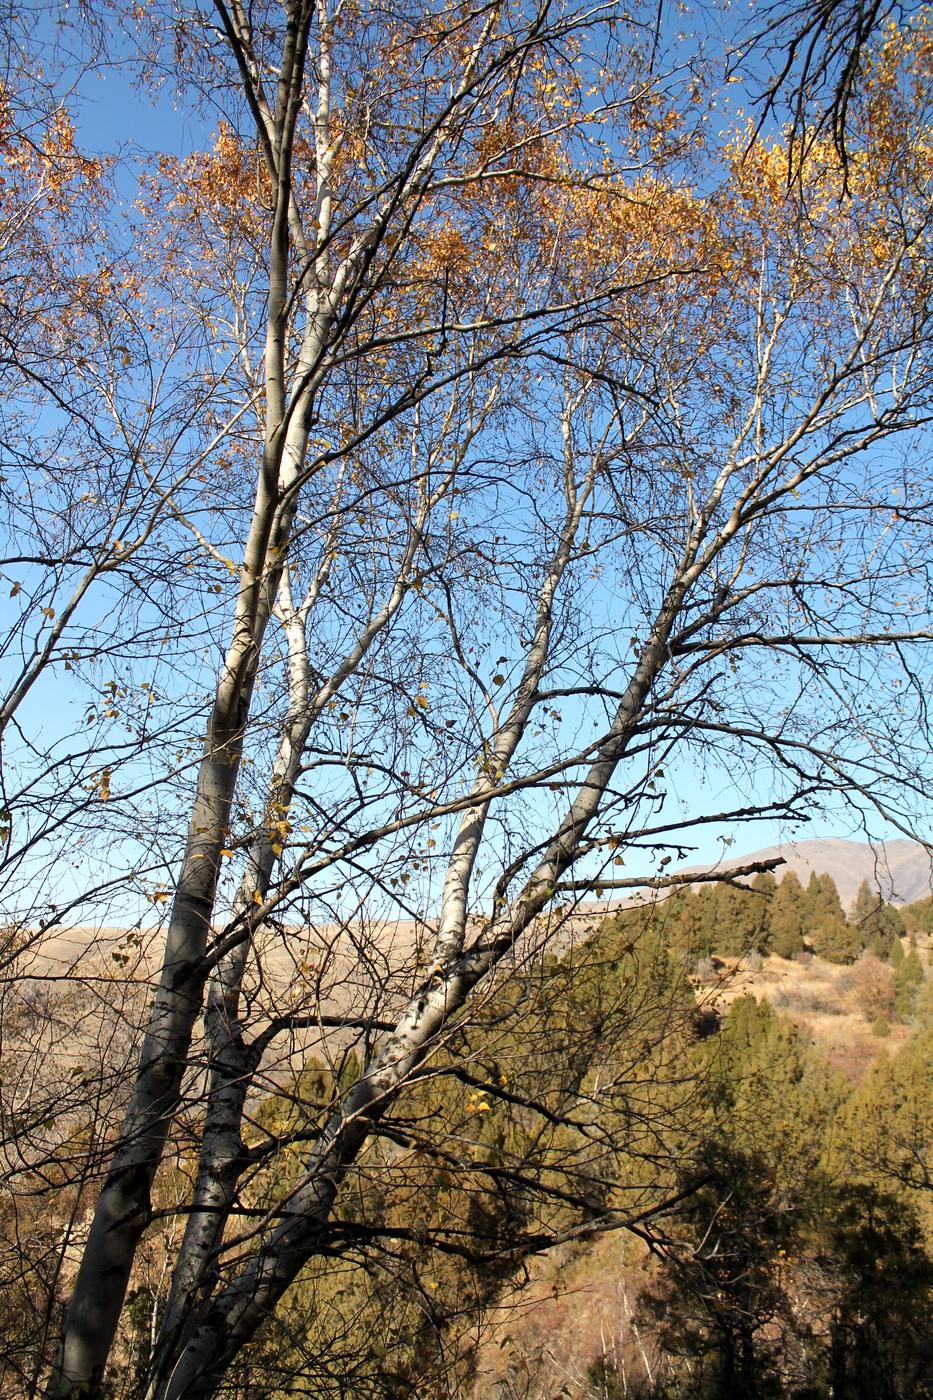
587	1323
706	1077
835	1007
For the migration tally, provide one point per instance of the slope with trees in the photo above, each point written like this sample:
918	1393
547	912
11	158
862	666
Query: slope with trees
807	1271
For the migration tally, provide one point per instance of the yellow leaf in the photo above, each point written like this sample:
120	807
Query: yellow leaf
257	897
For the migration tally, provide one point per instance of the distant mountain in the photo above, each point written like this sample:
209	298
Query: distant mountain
901	870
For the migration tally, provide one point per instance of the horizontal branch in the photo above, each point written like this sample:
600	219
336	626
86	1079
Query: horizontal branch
664	882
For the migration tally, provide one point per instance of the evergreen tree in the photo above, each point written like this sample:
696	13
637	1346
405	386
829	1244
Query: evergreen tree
864	906
708	915
715	1308
879	925
825	924
825	902
918	917
835	940
687	932
786	918
767	1085
725	1316
885	1134
811	897
881	1330
745	1034
764	887
907	981
831	937
739	921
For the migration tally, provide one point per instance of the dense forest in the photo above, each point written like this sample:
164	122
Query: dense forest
618	1123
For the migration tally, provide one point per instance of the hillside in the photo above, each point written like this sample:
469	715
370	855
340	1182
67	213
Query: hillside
820	1125
664	1066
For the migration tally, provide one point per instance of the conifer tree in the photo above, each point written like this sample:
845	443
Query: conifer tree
879	925
811	898
826	903
715	1311
764	887
727	1310
918	917
708	911
738	926
907	980
685	929
882	1322
786	917
885	1133
831	936
835	940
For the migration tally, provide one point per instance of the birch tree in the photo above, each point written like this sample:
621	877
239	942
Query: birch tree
487	448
